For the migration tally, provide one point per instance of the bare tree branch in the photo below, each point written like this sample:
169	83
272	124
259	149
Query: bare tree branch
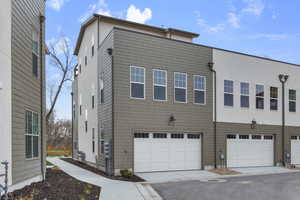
62	59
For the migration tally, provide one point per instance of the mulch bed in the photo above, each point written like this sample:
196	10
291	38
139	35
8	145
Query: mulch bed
293	167
224	171
134	178
57	186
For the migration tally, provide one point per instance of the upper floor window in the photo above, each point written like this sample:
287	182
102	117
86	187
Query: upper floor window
199	89
244	94
93	101
79	68
31	135
228	93
85	60
93	140
159	85
137	82
273	98
101	83
292	100
180	85
93	50
35	52
260	95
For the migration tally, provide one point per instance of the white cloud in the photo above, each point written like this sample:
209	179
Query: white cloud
274	16
253	7
136	15
100	7
269	36
233	20
208	28
55	4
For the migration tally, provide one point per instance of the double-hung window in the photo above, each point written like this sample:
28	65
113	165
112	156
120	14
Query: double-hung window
260	97
137	82
292	100
199	89
35	52
31	135
180	87
159	85
244	95
273	98
228	93
93	140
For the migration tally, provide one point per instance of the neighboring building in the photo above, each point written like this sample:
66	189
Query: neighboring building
148	94
22	90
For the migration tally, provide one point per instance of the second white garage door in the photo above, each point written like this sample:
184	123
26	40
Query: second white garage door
166	152
250	150
295	150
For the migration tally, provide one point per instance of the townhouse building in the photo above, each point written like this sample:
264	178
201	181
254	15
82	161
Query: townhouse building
149	99
22	96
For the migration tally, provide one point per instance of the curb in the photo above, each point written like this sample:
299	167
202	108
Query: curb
147	191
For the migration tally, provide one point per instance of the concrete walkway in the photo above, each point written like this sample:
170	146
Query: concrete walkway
110	189
262	170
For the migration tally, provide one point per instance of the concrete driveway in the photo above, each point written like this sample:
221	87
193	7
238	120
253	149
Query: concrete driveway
261	170
266	187
174	176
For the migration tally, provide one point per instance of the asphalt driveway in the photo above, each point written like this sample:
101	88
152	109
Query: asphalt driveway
265	187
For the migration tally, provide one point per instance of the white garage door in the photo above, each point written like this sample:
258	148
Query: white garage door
250	150
165	152
295	150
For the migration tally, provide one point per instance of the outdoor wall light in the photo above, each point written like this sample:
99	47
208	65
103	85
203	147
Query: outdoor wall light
109	51
253	124
172	120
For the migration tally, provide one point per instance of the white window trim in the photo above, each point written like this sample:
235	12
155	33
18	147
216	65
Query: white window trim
166	86
38	127
295	101
260	97
245	94
132	66
271	98
204	90
228	93
186	83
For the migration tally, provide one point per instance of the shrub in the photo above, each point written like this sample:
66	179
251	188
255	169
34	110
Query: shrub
126	173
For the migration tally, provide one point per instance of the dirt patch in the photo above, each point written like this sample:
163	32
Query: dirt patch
224	171
58	185
134	178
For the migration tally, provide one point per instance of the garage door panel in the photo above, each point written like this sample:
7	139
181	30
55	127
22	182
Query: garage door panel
249	152
164	154
295	151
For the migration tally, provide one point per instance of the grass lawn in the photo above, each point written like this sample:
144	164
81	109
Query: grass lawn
52	153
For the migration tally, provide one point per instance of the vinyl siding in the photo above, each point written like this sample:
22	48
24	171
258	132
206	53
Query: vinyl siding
26	92
105	109
150	52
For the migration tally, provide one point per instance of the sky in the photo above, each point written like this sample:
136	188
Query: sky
268	28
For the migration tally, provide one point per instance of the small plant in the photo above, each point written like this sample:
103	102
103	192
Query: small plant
126	173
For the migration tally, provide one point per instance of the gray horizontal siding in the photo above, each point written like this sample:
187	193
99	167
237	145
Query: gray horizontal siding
105	109
131	115
26	92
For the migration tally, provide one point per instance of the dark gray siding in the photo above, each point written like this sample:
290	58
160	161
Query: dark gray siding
131	48
105	108
26	91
